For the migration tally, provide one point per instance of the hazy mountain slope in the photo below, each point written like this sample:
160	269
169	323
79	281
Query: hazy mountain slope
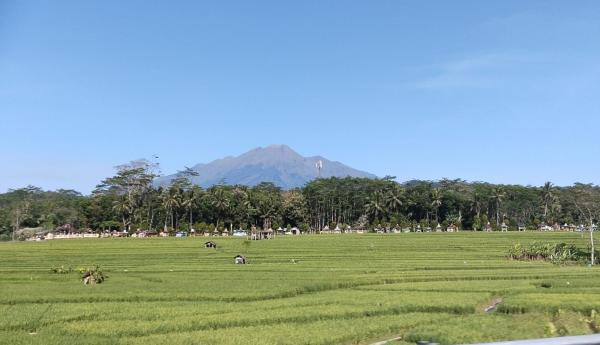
276	163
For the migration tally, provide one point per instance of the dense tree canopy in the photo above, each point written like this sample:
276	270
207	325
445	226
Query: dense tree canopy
129	201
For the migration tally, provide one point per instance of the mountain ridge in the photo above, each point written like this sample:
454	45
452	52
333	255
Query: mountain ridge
278	164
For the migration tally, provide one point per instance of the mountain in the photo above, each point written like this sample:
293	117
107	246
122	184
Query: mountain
276	163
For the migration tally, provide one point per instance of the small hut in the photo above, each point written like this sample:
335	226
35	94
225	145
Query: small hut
326	230
262	234
504	227
295	231
451	228
337	230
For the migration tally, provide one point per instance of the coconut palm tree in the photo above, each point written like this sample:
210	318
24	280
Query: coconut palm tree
123	207
498	195
170	202
190	200
436	201
394	198
547	197
375	206
220	201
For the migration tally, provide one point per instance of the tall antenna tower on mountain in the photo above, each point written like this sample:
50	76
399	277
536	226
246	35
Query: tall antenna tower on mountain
319	166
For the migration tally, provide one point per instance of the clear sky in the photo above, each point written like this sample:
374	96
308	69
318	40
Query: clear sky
499	91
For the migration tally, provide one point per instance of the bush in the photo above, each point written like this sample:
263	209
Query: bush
92	275
557	253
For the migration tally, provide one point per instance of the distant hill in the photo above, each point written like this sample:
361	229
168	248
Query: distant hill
278	164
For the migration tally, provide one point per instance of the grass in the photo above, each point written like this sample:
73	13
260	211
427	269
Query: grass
339	289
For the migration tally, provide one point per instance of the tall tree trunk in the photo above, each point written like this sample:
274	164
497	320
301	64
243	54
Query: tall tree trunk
17	225
497	213
172	220
592	240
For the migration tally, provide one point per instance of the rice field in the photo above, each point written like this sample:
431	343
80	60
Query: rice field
335	289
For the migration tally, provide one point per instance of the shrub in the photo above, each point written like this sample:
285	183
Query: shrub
557	253
92	275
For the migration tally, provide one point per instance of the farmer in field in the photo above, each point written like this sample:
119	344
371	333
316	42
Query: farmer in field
239	260
86	278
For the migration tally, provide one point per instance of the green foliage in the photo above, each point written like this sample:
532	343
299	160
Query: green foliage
558	253
128	201
92	275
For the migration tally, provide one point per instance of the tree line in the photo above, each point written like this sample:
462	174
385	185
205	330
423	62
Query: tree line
130	200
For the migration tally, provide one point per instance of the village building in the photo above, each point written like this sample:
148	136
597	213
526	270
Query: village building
261	234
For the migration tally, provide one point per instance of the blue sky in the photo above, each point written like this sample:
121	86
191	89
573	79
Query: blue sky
504	91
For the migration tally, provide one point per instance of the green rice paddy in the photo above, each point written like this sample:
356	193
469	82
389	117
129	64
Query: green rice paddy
338	289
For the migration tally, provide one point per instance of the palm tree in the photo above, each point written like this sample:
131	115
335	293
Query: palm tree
220	202
170	201
375	205
190	200
498	195
436	202
123	207
547	197
394	198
